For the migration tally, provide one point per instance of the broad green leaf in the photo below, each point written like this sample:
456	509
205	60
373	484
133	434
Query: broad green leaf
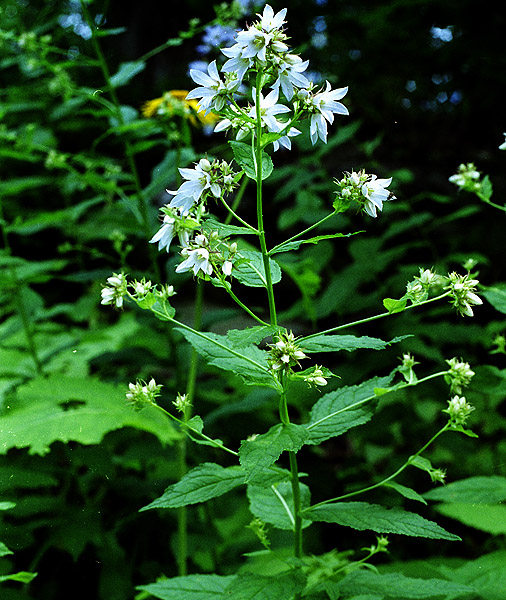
59	408
406	492
421	463
496	295
486	574
251	272
252	586
202	483
259	453
126	71
211	224
247	361
250	335
190	587
490	518
361	516
16	477
162	310
4	551
274	504
336	412
334	343
7	505
397	585
394	306
474	490
243	154
289	246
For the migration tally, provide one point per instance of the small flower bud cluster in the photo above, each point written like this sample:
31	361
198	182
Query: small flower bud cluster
418	289
142	394
315	377
116	292
367	190
458	410
437	475
182	403
500	344
285	353
207	253
467	178
459	375
463	293
406	368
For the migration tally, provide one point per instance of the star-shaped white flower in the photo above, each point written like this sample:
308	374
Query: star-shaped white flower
323	105
213	90
198	180
268	110
375	193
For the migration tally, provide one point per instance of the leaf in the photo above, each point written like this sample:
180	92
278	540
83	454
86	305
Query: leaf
264	450
22	577
361	516
474	490
252	586
190	587
289	246
406	492
211	224
251	272
250	335
336	412
4	551
60	408
490	518
394	306
202	483
126	72
274	504
496	295
243	154
249	362
397	585
335	343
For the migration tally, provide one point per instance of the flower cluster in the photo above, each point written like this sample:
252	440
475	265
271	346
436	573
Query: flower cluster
368	191
418	289
467	178
207	253
115	293
463	293
316	376
176	103
406	368
261	50
285	353
142	394
459	375
173	224
459	410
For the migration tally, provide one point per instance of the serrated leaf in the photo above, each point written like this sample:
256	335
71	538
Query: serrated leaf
474	490
243	154
247	361
251	272
489	518
362	516
250	335
211	224
335	343
289	246
397	585
252	586
126	72
406	492
336	412
59	408
258	454
274	504
202	483
190	587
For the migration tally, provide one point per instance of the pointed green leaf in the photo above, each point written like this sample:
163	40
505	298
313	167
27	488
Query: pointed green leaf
21	577
261	452
289	246
202	483
334	343
397	585
489	518
274	504
251	272
474	490
496	295
336	412
4	551
406	492
394	306
247	361
361	515
126	71
190	587
250	335
243	154
211	224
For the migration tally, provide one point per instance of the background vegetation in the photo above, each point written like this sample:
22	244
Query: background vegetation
82	175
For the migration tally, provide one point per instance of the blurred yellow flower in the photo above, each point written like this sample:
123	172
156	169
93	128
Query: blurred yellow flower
174	103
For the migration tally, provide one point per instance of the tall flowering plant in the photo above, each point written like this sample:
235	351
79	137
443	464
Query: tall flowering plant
261	94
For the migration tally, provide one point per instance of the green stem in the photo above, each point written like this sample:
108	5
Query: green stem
237	200
232	213
228	289
374	318
260	218
387	479
298	235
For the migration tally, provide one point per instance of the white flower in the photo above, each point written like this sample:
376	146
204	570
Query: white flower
198	180
375	193
459	410
323	105
269	21
167	232
503	145
462	292
290	70
285	140
227	268
197	258
213	90
114	294
268	110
